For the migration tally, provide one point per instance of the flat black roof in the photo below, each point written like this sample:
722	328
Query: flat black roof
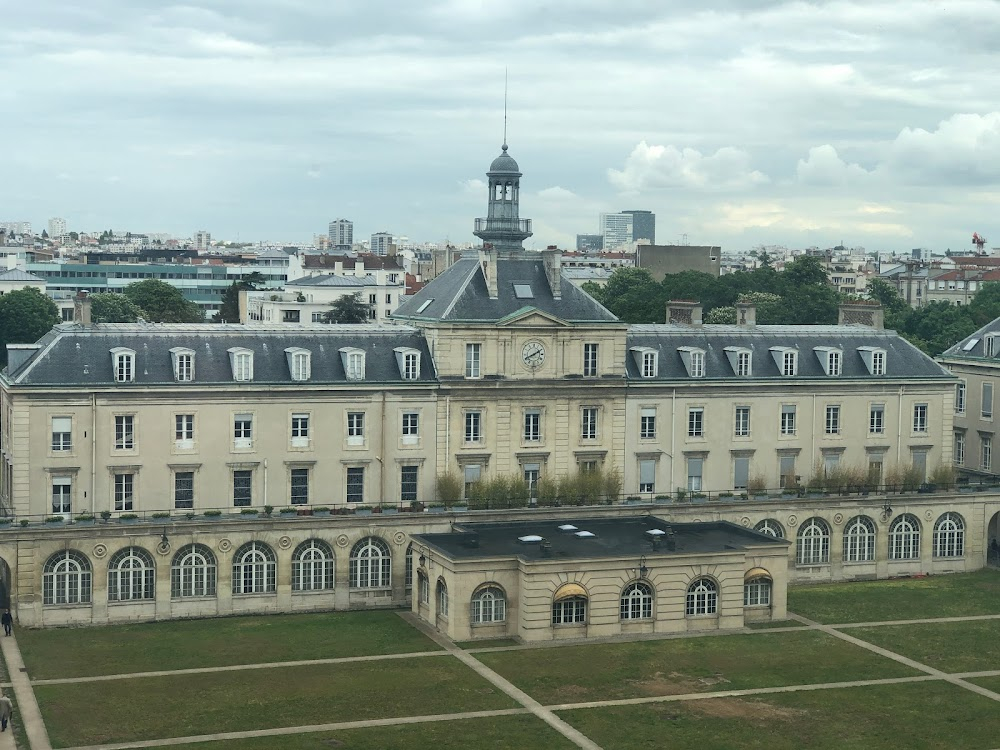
611	537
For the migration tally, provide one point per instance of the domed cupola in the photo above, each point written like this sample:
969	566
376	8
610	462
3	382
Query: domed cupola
502	228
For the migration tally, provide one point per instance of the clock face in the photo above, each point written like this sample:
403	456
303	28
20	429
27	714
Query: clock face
533	354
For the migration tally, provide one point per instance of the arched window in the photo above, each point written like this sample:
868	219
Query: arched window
193	572
66	578
371	565
949	536
702	597
569	605
904	538
312	566
489	604
131	575
254	569
442	598
770	527
637	601
859	540
813	543
757	588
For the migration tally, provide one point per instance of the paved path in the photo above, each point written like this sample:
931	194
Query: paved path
27	707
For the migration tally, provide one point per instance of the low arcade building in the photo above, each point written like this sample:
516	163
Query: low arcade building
552	579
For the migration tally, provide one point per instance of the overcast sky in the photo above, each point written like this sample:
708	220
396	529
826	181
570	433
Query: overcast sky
744	122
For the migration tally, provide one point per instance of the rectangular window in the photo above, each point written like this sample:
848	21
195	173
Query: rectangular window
986	452
788	419
788	363
960	398
989	344
124	491
62	494
242	431
696	422
878	363
242	488
184	430
987	410
356	484
124	368
876	419
876	463
184	367
242	366
833	363
694	467
299	486
697	364
473	473
647	423
588	421
742	426
832	420
62	434
647	476
920	417
831	461
532	426
743	364
355	428
741	472
300	430
531	474
649	364
590	360
124	432
411	427
411	366
473	426
473	355
183	489
355	366
301	366
408	484
959	448
786	471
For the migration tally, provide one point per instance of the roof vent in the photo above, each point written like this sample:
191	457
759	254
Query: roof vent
585	534
567	527
656	532
530	539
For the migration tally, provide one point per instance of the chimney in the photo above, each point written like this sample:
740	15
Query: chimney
18	354
746	314
81	309
684	312
861	313
552	259
488	261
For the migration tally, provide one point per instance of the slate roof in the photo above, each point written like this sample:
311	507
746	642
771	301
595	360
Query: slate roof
461	294
613	537
16	274
903	360
332	280
71	354
972	346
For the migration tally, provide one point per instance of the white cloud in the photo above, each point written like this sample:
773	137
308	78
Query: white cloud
964	149
657	167
824	166
556	193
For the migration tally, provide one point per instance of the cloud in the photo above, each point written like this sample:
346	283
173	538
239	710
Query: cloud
824	167
556	193
474	187
963	150
658	167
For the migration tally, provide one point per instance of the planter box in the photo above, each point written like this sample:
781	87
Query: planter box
85	522
321	512
212	518
760	496
390	511
463	508
363	511
436	510
128	520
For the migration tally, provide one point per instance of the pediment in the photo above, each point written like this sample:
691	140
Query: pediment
530	317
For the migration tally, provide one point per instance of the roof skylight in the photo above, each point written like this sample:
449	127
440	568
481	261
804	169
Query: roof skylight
530	538
567	527
425	305
523	291
970	345
584	534
656	532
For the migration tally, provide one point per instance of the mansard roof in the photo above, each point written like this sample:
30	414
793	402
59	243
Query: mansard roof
461	294
973	346
903	361
71	354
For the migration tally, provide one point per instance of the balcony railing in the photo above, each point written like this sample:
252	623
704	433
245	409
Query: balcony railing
503	225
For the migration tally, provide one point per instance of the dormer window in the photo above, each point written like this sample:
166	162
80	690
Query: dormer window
183	362
990	347
874	359
694	360
647	361
787	360
830	359
123	362
299	363
741	360
241	361
354	363
408	361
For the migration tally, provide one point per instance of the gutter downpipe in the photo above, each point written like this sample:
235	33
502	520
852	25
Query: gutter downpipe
673	436
93	454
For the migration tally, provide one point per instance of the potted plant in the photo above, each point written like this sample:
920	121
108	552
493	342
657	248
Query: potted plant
633	500
681	495
268	510
698	497
85	518
189	515
726	496
213	515
288	511
436	508
363	510
54	519
7	521
105	515
389	508
321	510
416	506
24	522
161	515
249	512
128	518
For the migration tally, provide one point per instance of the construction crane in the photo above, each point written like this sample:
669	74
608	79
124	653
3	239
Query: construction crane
979	241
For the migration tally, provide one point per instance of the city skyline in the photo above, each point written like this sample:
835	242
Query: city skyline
777	123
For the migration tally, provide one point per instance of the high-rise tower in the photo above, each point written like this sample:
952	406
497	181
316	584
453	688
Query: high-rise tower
502	229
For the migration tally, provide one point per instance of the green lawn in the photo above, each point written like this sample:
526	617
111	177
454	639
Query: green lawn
495	643
949	646
180	705
499	733
918	716
572	674
182	644
899	599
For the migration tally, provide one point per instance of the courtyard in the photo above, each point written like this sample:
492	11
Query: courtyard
884	664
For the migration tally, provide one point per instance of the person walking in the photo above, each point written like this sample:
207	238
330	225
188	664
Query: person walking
7	621
6	709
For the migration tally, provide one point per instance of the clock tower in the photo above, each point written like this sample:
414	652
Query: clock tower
502	229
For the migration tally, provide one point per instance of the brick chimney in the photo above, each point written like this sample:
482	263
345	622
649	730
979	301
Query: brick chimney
746	314
861	313
552	259
684	312
81	308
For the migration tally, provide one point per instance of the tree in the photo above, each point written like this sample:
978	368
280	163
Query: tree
633	295
229	312
74	236
45	234
347	309
25	316
894	307
110	307
163	303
